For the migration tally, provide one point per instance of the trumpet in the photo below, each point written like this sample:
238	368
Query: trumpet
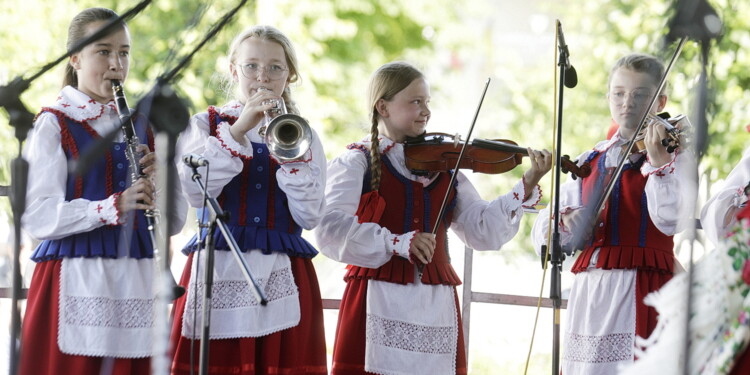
287	135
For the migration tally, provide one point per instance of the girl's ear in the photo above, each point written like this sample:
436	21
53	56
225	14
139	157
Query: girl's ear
661	103
382	107
75	61
233	71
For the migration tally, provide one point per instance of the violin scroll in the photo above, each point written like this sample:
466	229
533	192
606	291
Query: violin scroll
678	130
570	166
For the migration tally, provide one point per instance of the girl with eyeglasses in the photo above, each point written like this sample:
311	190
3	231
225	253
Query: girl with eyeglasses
270	202
629	251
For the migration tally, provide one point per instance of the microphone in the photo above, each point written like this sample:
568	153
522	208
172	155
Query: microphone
194	161
571	77
695	19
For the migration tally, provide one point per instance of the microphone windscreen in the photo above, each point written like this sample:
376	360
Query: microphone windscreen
571	77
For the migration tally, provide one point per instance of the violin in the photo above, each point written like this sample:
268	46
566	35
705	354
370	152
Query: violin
677	127
438	152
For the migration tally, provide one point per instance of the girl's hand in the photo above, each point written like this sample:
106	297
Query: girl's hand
422	247
252	113
657	153
541	163
148	160
140	196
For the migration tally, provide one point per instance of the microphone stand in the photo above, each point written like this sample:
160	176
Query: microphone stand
217	219
22	120
698	20
556	256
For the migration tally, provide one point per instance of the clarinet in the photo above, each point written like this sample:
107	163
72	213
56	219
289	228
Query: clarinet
136	171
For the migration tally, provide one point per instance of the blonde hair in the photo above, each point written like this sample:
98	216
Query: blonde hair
272	34
641	63
78	30
385	83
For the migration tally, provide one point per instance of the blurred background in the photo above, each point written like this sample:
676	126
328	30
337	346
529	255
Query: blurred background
458	45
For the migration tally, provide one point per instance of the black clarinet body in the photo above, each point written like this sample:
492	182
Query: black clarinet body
136	172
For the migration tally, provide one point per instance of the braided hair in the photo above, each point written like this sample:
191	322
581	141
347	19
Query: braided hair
385	83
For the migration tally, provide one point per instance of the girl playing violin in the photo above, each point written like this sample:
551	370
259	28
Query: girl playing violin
630	252
378	220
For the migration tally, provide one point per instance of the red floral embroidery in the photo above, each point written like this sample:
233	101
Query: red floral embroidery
82	106
515	196
65	105
660	174
99	208
294	171
395	241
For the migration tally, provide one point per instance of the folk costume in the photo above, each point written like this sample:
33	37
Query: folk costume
391	321
629	255
269	204
91	299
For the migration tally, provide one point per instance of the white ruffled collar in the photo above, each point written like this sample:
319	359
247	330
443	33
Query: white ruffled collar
231	109
79	106
386	144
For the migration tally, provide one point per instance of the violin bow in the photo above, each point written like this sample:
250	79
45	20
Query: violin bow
578	238
441	213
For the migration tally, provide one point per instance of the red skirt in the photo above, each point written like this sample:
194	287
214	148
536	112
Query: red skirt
646	317
297	350
39	351
349	347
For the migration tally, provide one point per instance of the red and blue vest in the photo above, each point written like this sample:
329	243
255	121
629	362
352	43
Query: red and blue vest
259	216
624	232
411	206
107	176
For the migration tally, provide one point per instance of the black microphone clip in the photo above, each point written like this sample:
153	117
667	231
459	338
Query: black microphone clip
194	161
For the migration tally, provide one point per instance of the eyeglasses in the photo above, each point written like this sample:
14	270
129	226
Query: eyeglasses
252	70
636	96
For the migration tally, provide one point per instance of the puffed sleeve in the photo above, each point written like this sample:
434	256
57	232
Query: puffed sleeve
570	200
304	183
716	215
339	235
488	225
224	154
670	193
48	214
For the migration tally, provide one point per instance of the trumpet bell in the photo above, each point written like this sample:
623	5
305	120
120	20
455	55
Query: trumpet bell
288	137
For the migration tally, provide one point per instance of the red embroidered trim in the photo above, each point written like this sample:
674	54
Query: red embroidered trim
663	167
66	105
538	199
69	146
234	153
291	161
408	250
388	148
117	208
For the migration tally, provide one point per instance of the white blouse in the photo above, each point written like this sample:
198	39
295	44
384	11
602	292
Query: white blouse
302	181
670	192
478	223
714	214
48	215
